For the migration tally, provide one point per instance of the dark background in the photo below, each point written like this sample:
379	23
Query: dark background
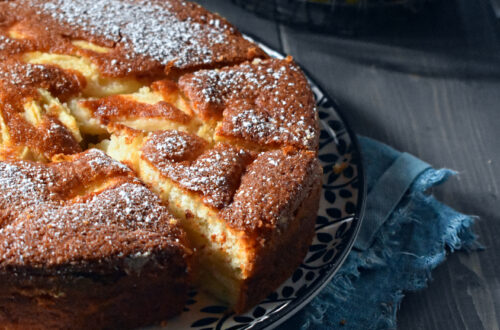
428	84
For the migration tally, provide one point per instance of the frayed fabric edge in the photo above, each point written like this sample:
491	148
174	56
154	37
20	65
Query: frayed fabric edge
458	235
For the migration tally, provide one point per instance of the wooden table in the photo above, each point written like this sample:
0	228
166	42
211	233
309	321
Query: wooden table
432	88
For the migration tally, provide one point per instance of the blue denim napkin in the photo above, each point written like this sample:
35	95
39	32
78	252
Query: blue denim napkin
405	234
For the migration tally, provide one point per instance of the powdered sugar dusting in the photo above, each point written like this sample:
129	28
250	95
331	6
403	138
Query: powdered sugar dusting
172	146
215	174
18	72
243	80
271	190
165	147
149	28
25	76
22	186
6	42
10	46
40	225
253	123
98	160
266	102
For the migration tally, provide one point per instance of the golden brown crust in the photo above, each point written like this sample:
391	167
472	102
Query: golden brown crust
165	147
142	40
19	84
271	190
146	39
87	214
114	108
276	261
22	80
275	207
86	245
268	103
214	174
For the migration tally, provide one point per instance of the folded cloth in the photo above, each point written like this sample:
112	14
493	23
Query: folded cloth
405	234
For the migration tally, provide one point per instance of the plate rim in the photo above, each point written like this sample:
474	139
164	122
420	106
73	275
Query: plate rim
281	316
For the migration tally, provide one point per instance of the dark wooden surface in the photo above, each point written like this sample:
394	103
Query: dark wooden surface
429	86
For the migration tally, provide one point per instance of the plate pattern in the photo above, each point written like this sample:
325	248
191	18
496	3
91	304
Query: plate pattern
336	226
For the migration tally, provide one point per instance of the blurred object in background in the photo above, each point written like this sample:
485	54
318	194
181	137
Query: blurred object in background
335	16
496	7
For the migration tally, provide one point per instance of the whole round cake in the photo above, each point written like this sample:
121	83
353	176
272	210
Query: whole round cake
145	147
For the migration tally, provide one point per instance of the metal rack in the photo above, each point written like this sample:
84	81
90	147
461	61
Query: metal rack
341	16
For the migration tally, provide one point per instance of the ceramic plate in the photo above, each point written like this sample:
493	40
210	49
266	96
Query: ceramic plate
337	224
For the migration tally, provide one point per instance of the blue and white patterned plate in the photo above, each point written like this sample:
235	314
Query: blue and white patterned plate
337	224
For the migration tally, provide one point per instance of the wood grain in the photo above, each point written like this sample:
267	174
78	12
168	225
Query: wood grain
429	86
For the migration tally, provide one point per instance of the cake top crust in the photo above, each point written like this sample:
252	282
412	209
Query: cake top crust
20	80
19	85
255	194
272	187
172	146
137	39
144	37
266	102
87	213
114	108
213	173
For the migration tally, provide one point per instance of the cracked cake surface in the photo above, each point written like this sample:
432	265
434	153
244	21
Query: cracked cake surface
65	214
146	146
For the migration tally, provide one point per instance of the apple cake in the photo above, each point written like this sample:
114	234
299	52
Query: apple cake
146	147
